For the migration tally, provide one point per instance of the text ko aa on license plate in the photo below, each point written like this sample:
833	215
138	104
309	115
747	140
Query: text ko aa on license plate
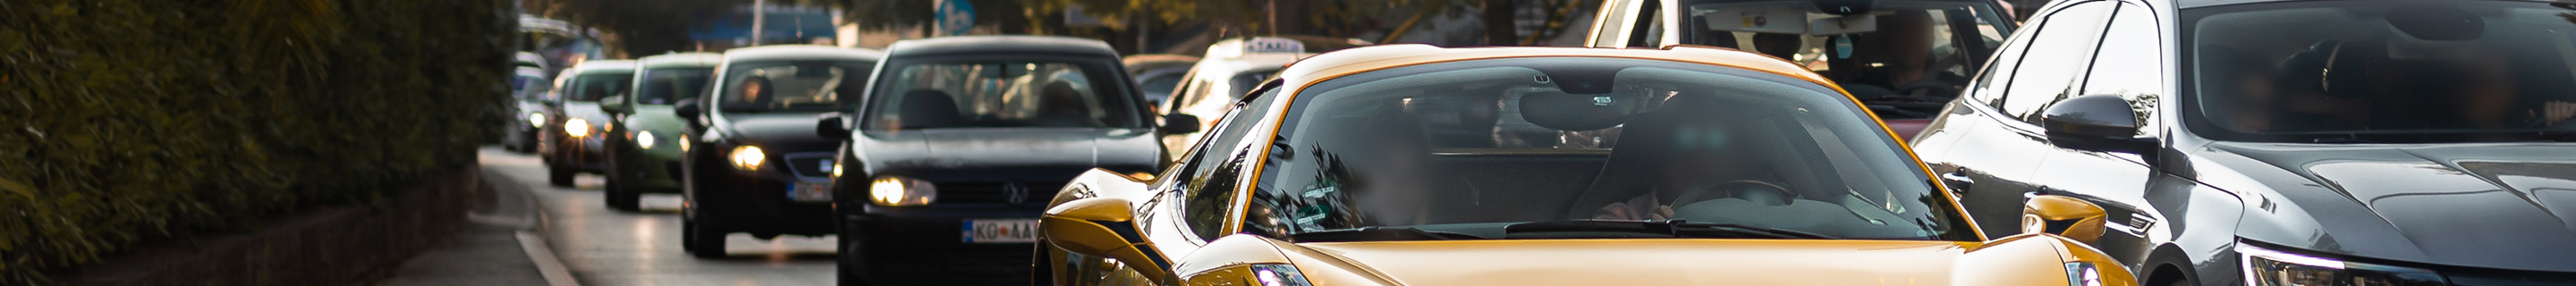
1001	231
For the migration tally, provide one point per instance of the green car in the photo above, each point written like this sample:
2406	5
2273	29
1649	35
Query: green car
644	136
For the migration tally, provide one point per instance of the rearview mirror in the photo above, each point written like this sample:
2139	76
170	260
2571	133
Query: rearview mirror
2094	123
1103	227
614	105
832	126
2062	216
1178	123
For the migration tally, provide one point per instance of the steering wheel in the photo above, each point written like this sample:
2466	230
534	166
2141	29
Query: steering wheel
1762	192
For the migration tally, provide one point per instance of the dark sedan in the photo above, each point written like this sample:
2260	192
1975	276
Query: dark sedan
565	139
2285	142
960	143
754	163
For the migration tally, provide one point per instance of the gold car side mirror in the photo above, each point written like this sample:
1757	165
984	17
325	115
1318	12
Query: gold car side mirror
2063	216
1103	227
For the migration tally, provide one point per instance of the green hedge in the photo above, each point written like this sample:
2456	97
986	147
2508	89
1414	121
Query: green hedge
124	121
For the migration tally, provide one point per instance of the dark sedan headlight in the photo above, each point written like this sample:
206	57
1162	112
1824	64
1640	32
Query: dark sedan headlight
537	120
2265	267
577	127
748	158
899	191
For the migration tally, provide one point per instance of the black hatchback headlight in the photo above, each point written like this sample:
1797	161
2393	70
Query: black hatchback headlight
2265	267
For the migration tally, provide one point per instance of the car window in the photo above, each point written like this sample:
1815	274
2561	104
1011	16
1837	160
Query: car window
1159	86
593	86
1422	147
2350	71
1208	179
1914	58
665	86
792	85
1003	94
2130	63
2055	57
2001	70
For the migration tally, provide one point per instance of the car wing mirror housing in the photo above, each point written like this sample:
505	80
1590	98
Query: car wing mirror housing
2095	123
2063	216
832	126
1178	123
1103	227
688	110
613	105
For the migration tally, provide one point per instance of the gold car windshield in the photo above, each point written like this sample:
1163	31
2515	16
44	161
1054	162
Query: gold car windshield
1555	147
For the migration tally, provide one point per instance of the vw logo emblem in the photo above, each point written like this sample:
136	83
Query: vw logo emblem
1017	193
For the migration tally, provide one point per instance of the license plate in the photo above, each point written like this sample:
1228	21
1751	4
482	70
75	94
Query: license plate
810	191
1001	231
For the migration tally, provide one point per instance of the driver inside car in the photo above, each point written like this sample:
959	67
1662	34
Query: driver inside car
755	91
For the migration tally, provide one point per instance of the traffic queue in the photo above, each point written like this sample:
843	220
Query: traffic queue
1689	142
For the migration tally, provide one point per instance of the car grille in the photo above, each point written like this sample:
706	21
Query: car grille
1027	193
810	165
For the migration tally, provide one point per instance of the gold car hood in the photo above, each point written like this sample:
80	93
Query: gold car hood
1646	262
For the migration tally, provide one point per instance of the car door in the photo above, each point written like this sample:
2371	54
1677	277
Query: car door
2129	63
1984	149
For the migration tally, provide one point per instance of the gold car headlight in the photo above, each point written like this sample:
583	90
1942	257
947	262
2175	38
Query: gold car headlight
2082	274
748	158
644	139
1278	275
576	127
2265	267
900	191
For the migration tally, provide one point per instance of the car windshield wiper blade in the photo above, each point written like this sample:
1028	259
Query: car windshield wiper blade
1378	233
1676	228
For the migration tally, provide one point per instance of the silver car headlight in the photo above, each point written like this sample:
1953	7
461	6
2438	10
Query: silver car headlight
898	191
576	127
644	139
748	158
2265	267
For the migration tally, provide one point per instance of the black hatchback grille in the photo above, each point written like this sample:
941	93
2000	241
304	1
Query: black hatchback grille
1028	193
810	165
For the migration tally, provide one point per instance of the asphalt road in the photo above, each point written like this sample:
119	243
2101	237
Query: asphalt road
600	246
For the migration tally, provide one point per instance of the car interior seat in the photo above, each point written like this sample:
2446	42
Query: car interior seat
927	108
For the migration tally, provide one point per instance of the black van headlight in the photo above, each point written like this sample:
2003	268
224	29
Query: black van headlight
2265	267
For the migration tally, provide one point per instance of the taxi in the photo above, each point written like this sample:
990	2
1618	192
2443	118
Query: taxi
1232	67
1677	166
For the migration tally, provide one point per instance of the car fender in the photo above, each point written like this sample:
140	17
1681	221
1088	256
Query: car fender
2033	259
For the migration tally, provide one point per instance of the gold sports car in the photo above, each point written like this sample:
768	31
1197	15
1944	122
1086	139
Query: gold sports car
1421	165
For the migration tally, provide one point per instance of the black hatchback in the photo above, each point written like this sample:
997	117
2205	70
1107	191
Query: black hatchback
751	161
2285	142
960	143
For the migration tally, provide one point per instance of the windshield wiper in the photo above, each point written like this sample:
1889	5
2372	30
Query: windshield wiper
1675	228
1378	233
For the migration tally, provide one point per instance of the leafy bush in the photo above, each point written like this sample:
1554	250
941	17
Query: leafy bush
128	120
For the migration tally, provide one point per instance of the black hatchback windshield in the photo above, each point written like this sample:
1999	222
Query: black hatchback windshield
1552	147
998	94
2378	71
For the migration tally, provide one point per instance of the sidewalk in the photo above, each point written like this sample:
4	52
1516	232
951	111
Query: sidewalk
495	249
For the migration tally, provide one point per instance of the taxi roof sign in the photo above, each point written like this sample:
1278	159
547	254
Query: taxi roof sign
1237	48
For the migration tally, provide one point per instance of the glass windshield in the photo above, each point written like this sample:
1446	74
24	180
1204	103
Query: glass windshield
1244	83
1905	59
986	94
593	86
665	86
792	85
1474	148
2376	71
